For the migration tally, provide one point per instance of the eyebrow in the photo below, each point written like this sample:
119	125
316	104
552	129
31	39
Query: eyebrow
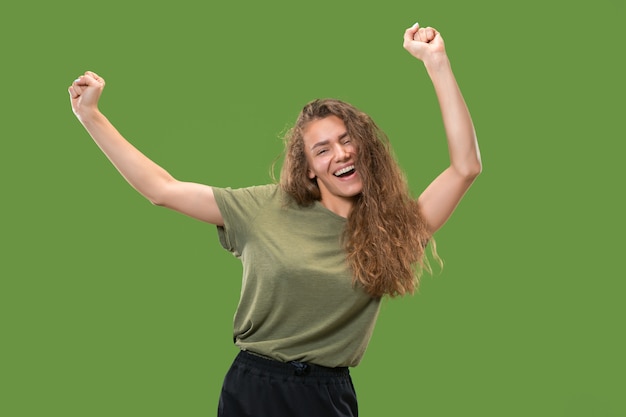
326	142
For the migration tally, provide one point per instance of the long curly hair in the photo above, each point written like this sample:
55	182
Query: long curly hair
385	236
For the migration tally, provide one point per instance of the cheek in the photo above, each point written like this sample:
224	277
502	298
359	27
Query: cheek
309	171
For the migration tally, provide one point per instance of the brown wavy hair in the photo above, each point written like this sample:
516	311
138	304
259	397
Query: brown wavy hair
385	236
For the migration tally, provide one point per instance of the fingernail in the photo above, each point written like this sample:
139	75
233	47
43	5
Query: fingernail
77	80
416	24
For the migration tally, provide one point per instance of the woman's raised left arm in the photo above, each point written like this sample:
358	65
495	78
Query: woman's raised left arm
442	196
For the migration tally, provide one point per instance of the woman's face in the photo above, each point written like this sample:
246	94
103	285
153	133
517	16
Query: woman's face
331	156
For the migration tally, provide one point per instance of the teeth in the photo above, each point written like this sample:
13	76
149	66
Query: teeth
344	170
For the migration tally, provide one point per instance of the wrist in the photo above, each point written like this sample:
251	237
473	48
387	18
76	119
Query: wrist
88	115
437	63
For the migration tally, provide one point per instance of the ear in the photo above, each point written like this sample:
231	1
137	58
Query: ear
310	174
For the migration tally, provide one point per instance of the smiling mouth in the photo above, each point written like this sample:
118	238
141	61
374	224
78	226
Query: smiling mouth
344	172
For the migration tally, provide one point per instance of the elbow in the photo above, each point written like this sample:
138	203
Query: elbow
473	166
476	169
158	199
471	170
159	196
156	202
468	165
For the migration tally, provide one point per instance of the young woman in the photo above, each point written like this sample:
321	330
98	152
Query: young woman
320	248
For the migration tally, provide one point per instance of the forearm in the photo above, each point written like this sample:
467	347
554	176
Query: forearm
148	178
458	125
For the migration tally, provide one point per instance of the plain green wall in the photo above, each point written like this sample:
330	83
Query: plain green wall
112	307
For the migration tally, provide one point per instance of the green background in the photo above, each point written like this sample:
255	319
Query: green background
112	307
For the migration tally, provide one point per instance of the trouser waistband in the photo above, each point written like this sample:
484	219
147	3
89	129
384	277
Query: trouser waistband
289	368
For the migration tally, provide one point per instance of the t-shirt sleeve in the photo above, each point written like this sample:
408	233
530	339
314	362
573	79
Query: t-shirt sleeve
239	207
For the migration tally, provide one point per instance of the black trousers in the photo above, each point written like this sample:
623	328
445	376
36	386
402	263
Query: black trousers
256	386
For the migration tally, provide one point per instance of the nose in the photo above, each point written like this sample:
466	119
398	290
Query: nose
342	153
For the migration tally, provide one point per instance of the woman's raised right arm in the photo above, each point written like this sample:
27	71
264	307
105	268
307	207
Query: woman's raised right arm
148	178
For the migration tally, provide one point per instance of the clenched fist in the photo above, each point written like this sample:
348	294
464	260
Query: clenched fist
85	92
425	44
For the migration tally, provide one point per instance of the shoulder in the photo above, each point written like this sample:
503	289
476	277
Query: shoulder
247	196
265	190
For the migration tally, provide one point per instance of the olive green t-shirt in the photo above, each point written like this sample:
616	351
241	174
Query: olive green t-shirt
297	301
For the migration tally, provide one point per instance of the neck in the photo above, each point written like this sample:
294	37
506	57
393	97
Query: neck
339	206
